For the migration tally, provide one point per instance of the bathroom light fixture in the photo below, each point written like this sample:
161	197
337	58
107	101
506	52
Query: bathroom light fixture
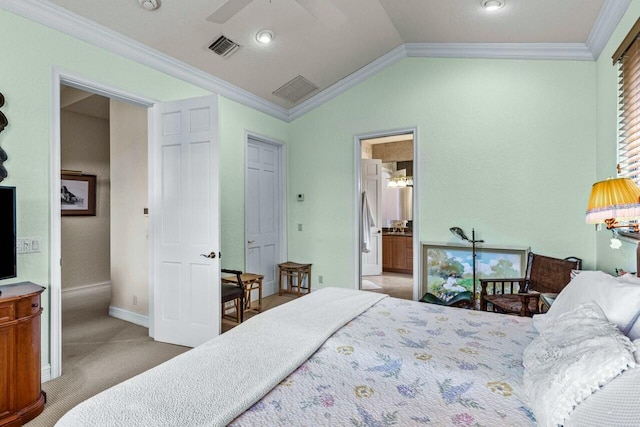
265	36
149	4
492	5
400	182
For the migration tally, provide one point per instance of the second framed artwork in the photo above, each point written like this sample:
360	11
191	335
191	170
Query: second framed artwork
448	268
77	194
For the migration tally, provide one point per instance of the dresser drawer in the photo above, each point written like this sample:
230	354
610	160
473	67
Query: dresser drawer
27	306
6	312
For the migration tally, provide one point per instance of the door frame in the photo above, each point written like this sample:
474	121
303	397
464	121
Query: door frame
68	78
357	156
282	196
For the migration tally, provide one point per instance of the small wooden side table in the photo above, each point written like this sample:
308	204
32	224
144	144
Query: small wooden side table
546	299
290	271
251	282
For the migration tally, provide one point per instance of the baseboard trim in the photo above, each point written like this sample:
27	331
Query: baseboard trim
91	286
129	316
45	373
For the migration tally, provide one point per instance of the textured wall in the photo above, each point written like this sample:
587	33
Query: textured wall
85	239
607	146
505	146
129	226
235	120
27	89
393	151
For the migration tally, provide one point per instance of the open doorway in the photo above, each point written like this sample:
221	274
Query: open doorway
387	181
105	251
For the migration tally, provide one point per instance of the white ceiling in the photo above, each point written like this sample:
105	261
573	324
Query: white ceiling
327	51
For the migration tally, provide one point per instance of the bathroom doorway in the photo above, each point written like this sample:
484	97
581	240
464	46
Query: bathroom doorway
387	226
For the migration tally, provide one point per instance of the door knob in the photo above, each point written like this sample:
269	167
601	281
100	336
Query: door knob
251	241
211	255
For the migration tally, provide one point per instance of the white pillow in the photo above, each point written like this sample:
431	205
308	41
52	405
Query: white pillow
575	356
634	330
630	278
619	300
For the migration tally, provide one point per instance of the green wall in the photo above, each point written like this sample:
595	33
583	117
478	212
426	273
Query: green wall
607	154
510	147
235	121
505	146
29	54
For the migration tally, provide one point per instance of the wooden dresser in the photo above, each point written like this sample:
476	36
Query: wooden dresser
21	398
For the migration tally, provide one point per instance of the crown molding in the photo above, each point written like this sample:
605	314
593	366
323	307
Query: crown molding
556	51
608	19
58	18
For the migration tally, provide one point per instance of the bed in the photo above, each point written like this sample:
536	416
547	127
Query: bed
357	358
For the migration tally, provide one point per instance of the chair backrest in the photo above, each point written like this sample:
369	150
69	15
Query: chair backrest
238	276
546	274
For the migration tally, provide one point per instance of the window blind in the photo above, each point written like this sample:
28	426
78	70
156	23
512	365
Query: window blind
628	58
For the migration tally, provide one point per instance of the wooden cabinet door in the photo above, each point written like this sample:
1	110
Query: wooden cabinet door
7	352
28	388
387	250
409	243
399	253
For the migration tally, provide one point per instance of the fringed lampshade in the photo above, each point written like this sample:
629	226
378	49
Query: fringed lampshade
612	200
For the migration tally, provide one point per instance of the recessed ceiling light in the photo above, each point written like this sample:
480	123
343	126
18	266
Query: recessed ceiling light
149	4
492	5
265	36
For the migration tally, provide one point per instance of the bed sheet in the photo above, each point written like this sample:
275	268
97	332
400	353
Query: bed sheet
408	363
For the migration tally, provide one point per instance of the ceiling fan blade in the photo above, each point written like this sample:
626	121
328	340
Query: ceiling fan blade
228	11
324	11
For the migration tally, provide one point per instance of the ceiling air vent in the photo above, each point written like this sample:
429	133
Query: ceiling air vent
224	46
296	89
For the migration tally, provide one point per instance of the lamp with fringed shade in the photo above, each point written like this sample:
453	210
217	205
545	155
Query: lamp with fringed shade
613	200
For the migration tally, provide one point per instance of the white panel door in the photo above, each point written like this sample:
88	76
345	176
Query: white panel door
372	185
262	213
185	215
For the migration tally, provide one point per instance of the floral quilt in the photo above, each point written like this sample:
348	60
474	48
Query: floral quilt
408	363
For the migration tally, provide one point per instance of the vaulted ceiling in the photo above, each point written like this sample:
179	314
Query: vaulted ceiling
327	41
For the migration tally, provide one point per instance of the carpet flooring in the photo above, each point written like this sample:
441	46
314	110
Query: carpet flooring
99	351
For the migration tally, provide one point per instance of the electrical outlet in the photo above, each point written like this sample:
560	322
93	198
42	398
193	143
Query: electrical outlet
320	279
135	300
299	227
28	245
35	244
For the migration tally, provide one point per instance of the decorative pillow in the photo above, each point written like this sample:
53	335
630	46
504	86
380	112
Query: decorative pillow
634	330
615	404
571	359
619	300
630	278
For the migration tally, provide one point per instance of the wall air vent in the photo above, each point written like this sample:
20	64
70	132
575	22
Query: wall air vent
224	46
296	89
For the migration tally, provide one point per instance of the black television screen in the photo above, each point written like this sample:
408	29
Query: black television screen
8	267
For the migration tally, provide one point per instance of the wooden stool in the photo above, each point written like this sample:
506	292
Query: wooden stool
251	282
290	270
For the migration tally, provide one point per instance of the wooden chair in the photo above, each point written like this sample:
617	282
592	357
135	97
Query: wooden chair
544	275
234	292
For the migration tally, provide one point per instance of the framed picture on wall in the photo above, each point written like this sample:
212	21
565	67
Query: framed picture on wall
77	194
